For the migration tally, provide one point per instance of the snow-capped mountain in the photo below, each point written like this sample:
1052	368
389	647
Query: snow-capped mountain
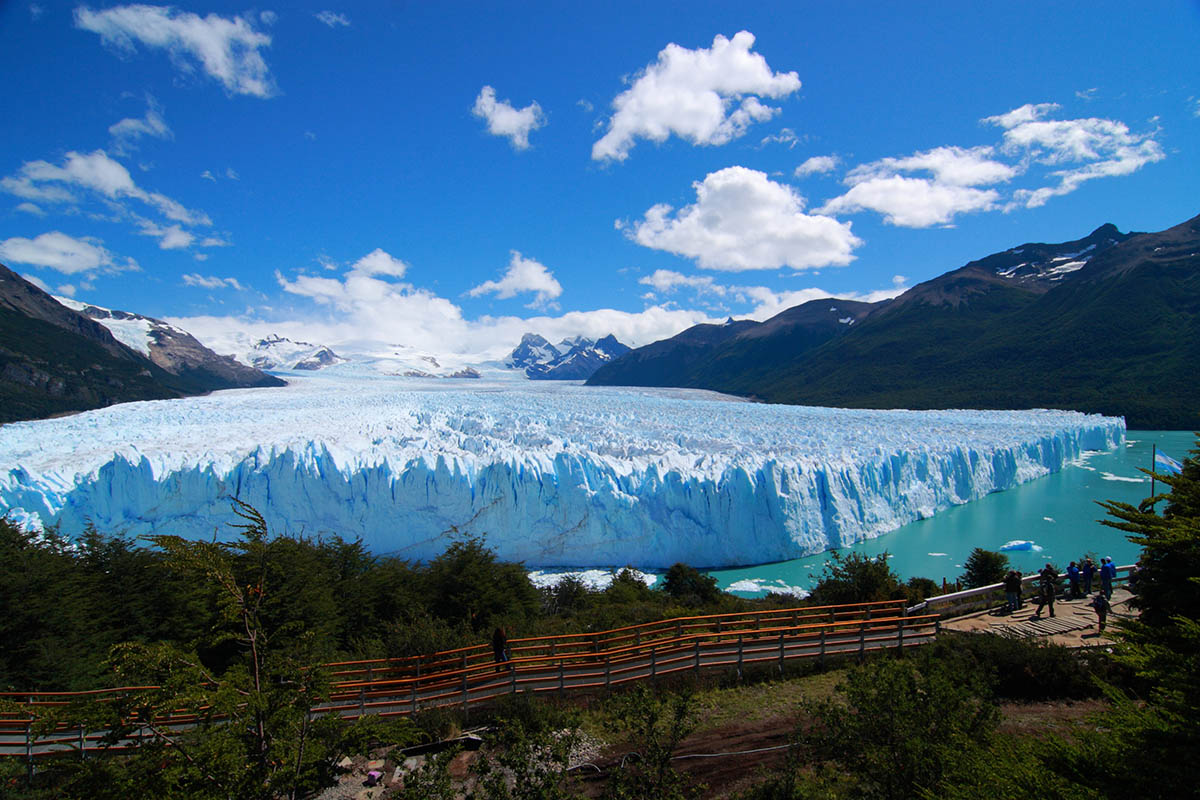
171	348
574	358
278	352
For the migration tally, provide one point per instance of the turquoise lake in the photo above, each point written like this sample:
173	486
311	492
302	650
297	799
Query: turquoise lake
1057	512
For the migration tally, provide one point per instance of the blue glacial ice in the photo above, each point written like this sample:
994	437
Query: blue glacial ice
548	474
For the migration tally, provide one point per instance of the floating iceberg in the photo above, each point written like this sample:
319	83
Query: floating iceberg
1020	545
548	474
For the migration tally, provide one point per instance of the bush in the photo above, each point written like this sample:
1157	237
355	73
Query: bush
984	568
1025	670
856	578
690	586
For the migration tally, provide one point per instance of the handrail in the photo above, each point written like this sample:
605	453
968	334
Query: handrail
955	599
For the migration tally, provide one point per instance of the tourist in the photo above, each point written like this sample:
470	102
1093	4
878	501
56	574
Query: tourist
500	648
1087	572
1102	606
1073	580
1047	586
1012	590
1108	572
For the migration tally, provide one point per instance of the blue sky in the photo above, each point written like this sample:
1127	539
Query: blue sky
450	175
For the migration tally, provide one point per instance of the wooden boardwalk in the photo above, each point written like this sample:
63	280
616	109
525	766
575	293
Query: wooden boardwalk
1074	622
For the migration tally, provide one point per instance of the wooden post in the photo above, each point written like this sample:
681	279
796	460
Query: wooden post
512	674
862	640
781	654
697	656
562	684
740	656
362	701
414	697
821	656
653	662
607	673
29	745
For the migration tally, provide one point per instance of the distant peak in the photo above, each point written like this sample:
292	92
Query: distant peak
1107	229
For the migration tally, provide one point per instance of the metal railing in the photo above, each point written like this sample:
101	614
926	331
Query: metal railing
969	601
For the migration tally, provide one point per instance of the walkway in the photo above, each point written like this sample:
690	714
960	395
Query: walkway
1073	625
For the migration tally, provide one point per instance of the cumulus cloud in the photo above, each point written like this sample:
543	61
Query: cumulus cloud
919	202
1099	147
505	120
742	220
97	172
31	208
912	202
957	180
379	262
228	50
523	275
704	96
817	165
211	282
128	131
58	251
333	20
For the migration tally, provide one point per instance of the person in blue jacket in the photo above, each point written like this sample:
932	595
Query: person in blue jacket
1073	580
1108	572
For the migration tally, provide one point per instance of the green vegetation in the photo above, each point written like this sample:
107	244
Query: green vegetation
984	568
233	630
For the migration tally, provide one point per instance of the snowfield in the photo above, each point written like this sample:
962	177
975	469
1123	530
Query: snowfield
552	474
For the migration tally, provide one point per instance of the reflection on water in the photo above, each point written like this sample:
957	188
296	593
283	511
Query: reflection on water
1057	513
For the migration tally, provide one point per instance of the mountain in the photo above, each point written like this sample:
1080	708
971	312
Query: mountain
1109	323
173	349
278	352
574	358
55	360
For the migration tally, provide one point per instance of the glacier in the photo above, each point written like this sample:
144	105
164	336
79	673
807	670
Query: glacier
546	473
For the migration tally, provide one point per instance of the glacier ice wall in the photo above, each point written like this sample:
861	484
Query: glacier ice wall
548	474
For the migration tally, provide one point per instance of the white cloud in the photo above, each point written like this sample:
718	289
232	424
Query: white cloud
505	120
742	220
231	174
128	131
268	17
379	262
817	165
226	49
31	208
66	289
1101	147
171	237
213	241
666	280
57	251
919	202
333	20
36	11
208	176
523	275
41	180
785	136
211	282
912	202
953	166
707	97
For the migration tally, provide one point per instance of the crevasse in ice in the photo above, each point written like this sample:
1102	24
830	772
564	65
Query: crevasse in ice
547	474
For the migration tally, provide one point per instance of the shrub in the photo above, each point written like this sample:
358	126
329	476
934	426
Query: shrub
983	568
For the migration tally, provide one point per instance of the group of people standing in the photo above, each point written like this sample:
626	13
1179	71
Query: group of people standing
1080	577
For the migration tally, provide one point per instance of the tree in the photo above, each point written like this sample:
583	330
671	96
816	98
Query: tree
656	724
255	736
690	586
984	568
856	578
466	584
